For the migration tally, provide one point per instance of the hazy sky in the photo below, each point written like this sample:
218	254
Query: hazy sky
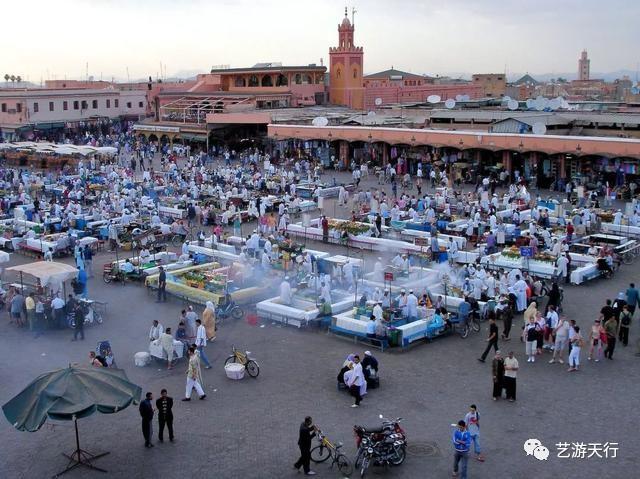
53	39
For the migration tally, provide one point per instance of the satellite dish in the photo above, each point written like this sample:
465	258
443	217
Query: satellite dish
466	98
530	102
635	90
371	113
433	98
450	103
378	101
506	99
513	104
539	128
320	121
538	104
459	98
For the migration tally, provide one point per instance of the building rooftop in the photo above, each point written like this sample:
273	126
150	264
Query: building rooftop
269	68
394	73
33	92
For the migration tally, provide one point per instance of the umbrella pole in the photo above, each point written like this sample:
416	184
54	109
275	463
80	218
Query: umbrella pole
80	457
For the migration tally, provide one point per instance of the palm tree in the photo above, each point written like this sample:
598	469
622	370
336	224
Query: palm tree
13	78
18	79
6	78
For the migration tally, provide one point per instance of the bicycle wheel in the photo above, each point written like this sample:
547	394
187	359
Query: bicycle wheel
320	453
237	313
176	241
475	324
463	330
627	258
97	317
252	368
106	277
230	360
344	466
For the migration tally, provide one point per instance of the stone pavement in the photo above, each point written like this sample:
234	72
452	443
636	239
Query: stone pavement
248	429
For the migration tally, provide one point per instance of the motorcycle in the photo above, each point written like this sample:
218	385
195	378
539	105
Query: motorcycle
228	309
381	446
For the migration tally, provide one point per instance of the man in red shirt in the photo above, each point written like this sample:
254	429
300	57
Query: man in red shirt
325	229
570	230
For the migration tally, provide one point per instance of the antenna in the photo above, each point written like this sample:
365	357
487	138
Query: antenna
128	81
87	71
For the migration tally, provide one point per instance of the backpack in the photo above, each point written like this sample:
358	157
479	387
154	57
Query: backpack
625	319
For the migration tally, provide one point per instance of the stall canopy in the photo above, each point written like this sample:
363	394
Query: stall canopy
47	272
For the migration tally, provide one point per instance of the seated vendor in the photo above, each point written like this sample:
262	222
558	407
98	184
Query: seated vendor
127	267
144	255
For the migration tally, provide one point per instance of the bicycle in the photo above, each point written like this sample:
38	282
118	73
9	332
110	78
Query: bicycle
463	326
250	364
326	449
177	239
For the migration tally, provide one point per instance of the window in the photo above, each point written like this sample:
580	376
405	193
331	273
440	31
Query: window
299	78
4	108
36	108
338	74
281	80
499	78
51	106
76	105
240	82
116	103
355	73
128	104
65	105
108	103
94	104
140	104
253	80
19	107
267	81
84	104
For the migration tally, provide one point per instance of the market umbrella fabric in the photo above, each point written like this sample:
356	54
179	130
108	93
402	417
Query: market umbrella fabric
67	395
71	393
47	271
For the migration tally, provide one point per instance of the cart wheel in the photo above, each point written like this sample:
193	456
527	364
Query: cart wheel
627	258
106	278
230	360
252	368
97	317
176	241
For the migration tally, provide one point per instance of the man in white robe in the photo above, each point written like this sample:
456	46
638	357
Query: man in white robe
412	305
285	291
519	289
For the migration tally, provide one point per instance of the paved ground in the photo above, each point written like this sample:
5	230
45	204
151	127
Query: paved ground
248	429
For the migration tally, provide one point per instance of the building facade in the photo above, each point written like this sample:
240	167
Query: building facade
23	112
397	87
346	86
493	85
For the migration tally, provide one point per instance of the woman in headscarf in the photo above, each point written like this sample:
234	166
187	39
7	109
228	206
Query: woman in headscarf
209	321
531	312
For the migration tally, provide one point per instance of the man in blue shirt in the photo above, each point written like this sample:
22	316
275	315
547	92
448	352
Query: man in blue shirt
461	443
633	298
